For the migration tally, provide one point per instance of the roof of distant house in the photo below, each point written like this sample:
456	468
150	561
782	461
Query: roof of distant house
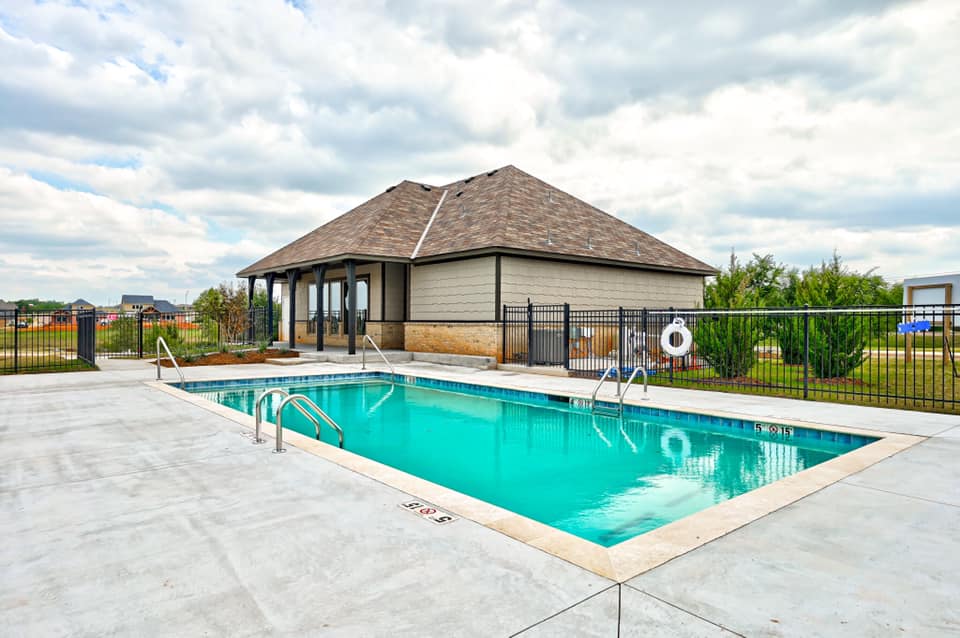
78	303
503	210
136	299
7	306
164	306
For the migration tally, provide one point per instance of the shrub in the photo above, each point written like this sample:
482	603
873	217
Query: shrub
240	354
262	347
789	332
728	342
837	341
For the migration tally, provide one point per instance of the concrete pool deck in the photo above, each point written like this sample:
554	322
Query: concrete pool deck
128	511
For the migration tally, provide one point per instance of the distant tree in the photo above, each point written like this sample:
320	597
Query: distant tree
37	305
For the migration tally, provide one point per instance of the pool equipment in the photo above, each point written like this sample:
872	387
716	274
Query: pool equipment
677	326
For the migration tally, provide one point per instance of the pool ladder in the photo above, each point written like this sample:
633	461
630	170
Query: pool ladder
620	394
298	401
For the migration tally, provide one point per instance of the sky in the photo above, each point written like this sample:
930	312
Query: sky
160	147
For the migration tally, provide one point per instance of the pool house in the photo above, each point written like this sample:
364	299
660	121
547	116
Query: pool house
429	268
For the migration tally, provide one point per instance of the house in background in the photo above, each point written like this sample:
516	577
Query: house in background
429	268
158	309
161	310
8	311
135	303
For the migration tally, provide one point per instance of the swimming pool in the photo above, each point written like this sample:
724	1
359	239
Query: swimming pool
547	457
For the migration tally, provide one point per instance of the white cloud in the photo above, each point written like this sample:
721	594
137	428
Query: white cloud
209	135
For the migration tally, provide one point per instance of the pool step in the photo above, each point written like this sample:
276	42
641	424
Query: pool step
605	411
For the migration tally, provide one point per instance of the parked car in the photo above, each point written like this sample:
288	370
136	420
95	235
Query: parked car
21	324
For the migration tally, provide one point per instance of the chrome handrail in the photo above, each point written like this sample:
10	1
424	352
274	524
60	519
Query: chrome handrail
642	367
606	373
295	398
258	416
363	356
160	341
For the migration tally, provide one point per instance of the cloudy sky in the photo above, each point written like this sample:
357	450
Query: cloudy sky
159	147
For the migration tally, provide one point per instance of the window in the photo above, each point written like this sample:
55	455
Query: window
335	296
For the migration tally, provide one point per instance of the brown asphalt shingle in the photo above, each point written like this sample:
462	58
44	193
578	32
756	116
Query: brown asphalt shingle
502	209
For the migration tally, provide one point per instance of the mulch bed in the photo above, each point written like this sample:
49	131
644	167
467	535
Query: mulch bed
230	358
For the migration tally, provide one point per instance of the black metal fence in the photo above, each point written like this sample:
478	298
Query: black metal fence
62	340
57	340
898	356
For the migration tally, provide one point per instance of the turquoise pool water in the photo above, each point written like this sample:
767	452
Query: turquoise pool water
601	478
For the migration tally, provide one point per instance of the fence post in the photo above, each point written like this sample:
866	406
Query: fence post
644	359
806	350
566	336
503	343
140	335
619	343
670	319
16	340
529	334
219	342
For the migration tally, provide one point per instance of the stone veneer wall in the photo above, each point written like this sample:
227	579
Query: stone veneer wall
387	334
481	338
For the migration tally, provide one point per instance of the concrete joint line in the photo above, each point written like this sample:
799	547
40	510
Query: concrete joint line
686	611
566	609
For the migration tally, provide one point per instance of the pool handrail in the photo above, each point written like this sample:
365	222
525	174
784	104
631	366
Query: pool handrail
363	356
633	375
173	360
258	414
606	373
295	399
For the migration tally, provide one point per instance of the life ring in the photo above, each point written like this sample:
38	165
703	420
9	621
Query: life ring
686	339
675	434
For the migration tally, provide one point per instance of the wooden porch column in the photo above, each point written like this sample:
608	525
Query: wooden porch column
270	276
319	272
293	275
351	317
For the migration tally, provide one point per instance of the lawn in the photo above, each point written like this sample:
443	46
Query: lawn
926	383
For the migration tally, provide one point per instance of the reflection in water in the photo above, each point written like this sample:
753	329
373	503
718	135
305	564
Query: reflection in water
602	478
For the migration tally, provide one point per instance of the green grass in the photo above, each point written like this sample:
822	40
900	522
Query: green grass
930	384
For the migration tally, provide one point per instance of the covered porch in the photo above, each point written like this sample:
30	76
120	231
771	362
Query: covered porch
337	302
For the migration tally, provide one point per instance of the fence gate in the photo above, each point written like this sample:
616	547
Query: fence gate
87	336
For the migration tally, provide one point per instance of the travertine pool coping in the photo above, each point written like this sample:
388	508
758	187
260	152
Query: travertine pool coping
625	560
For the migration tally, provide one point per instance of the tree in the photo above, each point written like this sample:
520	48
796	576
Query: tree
728	342
224	306
837	341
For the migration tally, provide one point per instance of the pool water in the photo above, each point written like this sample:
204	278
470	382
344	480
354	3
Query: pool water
604	479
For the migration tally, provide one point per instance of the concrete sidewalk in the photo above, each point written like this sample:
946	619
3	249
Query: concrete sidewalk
130	512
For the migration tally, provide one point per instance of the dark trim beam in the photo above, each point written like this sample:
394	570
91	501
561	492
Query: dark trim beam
351	318
496	290
251	319
270	277
293	276
319	272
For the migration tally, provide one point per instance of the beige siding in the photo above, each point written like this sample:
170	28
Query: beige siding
459	290
586	286
394	295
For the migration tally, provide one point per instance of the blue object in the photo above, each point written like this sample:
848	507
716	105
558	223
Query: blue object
603	479
913	326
